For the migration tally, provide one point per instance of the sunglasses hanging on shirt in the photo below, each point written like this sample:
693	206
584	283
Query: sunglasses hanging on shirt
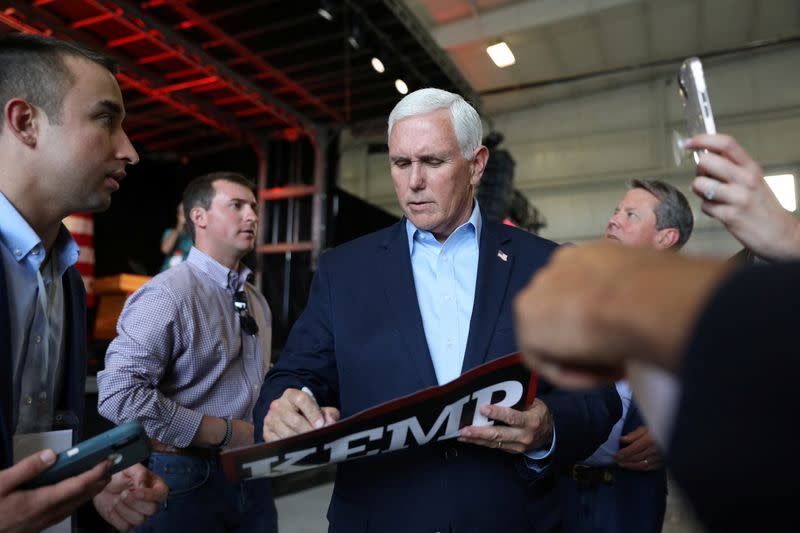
246	320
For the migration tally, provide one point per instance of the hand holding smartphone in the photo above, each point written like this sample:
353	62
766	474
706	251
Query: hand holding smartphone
124	446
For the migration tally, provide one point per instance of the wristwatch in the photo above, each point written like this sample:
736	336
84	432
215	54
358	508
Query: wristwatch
226	440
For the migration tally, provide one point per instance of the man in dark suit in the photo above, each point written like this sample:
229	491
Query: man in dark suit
416	305
622	486
62	151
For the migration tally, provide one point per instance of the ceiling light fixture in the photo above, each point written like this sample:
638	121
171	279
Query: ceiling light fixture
501	54
354	38
326	10
401	86
378	65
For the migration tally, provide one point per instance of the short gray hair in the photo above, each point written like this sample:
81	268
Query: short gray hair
672	211
466	121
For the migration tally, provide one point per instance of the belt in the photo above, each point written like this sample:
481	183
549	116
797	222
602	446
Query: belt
190	451
591	475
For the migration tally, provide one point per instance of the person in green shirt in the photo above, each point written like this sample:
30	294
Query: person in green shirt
176	242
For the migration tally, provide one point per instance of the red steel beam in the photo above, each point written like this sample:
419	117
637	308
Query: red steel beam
128	39
91	21
155	58
187	109
253	111
176	74
138	27
130	79
230	100
217	33
6	17
188	84
289	191
156	36
282	247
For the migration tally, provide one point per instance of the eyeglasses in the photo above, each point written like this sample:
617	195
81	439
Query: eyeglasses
247	321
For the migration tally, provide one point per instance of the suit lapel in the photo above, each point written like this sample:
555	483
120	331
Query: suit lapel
494	269
74	335
402	297
5	373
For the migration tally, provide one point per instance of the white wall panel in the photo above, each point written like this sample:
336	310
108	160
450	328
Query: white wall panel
575	156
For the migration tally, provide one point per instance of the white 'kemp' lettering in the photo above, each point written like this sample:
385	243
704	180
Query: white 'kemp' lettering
341	450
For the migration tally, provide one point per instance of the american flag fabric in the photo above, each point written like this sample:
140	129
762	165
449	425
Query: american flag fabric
81	227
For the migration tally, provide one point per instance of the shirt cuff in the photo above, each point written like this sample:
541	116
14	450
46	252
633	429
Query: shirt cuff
183	427
538	459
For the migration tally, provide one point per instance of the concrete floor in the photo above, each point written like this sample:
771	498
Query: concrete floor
679	517
304	511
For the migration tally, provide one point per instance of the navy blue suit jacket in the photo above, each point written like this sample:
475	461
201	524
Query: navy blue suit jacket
637	506
360	342
72	391
642	495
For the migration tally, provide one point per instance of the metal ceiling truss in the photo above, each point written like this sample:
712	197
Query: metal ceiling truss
252	69
132	76
440	57
145	27
221	37
235	97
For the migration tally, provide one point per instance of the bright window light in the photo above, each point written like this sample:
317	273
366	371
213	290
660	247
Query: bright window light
501	54
401	86
783	187
377	64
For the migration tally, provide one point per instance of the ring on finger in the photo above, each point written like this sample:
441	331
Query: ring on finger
711	192
499	444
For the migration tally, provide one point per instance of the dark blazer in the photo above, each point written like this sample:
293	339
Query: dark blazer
635	503
360	342
642	495
72	391
733	449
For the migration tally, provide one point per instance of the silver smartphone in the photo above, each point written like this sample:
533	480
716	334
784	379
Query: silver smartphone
696	104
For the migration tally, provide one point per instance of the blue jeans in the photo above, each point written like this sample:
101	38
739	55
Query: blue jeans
200	499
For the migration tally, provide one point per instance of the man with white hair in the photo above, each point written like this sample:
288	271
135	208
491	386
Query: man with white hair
413	306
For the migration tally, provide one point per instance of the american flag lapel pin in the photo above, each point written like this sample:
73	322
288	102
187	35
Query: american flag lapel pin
502	255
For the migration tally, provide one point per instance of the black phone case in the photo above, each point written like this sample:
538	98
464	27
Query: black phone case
125	445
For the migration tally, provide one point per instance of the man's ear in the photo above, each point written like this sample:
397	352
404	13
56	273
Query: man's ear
667	238
20	118
479	164
198	217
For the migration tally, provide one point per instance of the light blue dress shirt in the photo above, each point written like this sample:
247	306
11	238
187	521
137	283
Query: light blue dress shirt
36	305
445	275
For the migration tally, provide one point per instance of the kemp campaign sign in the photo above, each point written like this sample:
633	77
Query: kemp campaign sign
430	415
